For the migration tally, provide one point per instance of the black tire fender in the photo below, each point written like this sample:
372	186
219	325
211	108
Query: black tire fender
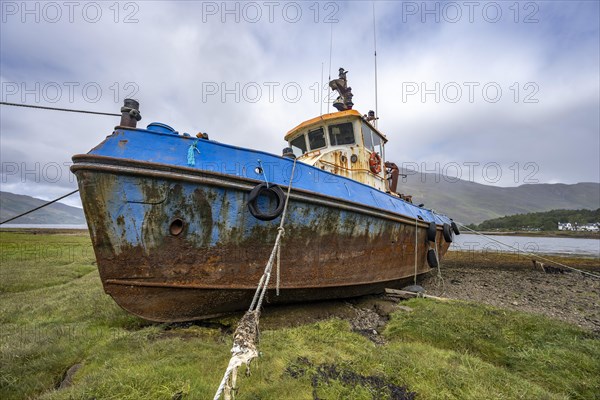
455	228
432	258
431	231
448	233
256	192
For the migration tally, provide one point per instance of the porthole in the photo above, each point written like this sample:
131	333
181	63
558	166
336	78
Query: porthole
176	227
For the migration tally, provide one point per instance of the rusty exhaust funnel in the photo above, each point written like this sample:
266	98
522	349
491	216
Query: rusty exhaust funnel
130	113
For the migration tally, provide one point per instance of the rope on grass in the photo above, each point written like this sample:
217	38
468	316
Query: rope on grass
245	338
528	253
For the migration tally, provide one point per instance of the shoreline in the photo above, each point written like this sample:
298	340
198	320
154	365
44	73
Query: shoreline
529	256
550	234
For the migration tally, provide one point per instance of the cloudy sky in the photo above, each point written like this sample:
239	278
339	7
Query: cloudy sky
500	93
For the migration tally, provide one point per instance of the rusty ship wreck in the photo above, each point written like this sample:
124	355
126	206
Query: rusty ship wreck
182	226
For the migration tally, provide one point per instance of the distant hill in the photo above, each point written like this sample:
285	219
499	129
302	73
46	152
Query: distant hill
546	221
470	202
13	204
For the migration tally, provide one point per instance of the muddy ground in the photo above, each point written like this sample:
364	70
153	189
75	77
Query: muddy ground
513	282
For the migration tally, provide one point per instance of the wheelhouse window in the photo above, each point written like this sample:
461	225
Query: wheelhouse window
372	140
367	136
341	134
299	145
316	139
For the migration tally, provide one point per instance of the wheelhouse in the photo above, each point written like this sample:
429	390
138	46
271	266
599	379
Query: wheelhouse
344	143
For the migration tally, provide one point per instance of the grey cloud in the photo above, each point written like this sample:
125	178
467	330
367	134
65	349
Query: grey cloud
171	56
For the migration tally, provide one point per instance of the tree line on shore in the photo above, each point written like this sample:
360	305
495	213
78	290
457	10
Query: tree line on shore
544	221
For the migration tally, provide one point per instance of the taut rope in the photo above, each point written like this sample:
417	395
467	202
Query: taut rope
245	338
528	253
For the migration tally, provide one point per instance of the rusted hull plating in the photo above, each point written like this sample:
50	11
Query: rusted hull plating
331	248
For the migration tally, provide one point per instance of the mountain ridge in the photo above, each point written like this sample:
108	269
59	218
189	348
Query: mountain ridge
12	204
471	202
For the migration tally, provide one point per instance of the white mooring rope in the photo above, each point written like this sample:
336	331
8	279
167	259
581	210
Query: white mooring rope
245	338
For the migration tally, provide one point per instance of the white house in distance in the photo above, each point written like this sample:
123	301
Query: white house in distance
591	227
567	226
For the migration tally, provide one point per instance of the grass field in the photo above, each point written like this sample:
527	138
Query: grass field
55	315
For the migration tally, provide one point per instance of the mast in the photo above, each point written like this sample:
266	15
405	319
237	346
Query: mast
375	54
330	51
321	93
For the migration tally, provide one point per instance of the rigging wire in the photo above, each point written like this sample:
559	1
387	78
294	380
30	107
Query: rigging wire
42	206
4	103
528	253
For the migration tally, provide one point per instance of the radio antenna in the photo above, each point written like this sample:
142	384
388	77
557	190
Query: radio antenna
330	51
375	53
321	92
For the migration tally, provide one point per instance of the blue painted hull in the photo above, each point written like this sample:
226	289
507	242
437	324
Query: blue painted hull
343	238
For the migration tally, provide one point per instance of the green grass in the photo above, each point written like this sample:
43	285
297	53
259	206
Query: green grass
35	261
545	353
54	314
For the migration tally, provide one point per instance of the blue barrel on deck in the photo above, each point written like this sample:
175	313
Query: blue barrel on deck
160	127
